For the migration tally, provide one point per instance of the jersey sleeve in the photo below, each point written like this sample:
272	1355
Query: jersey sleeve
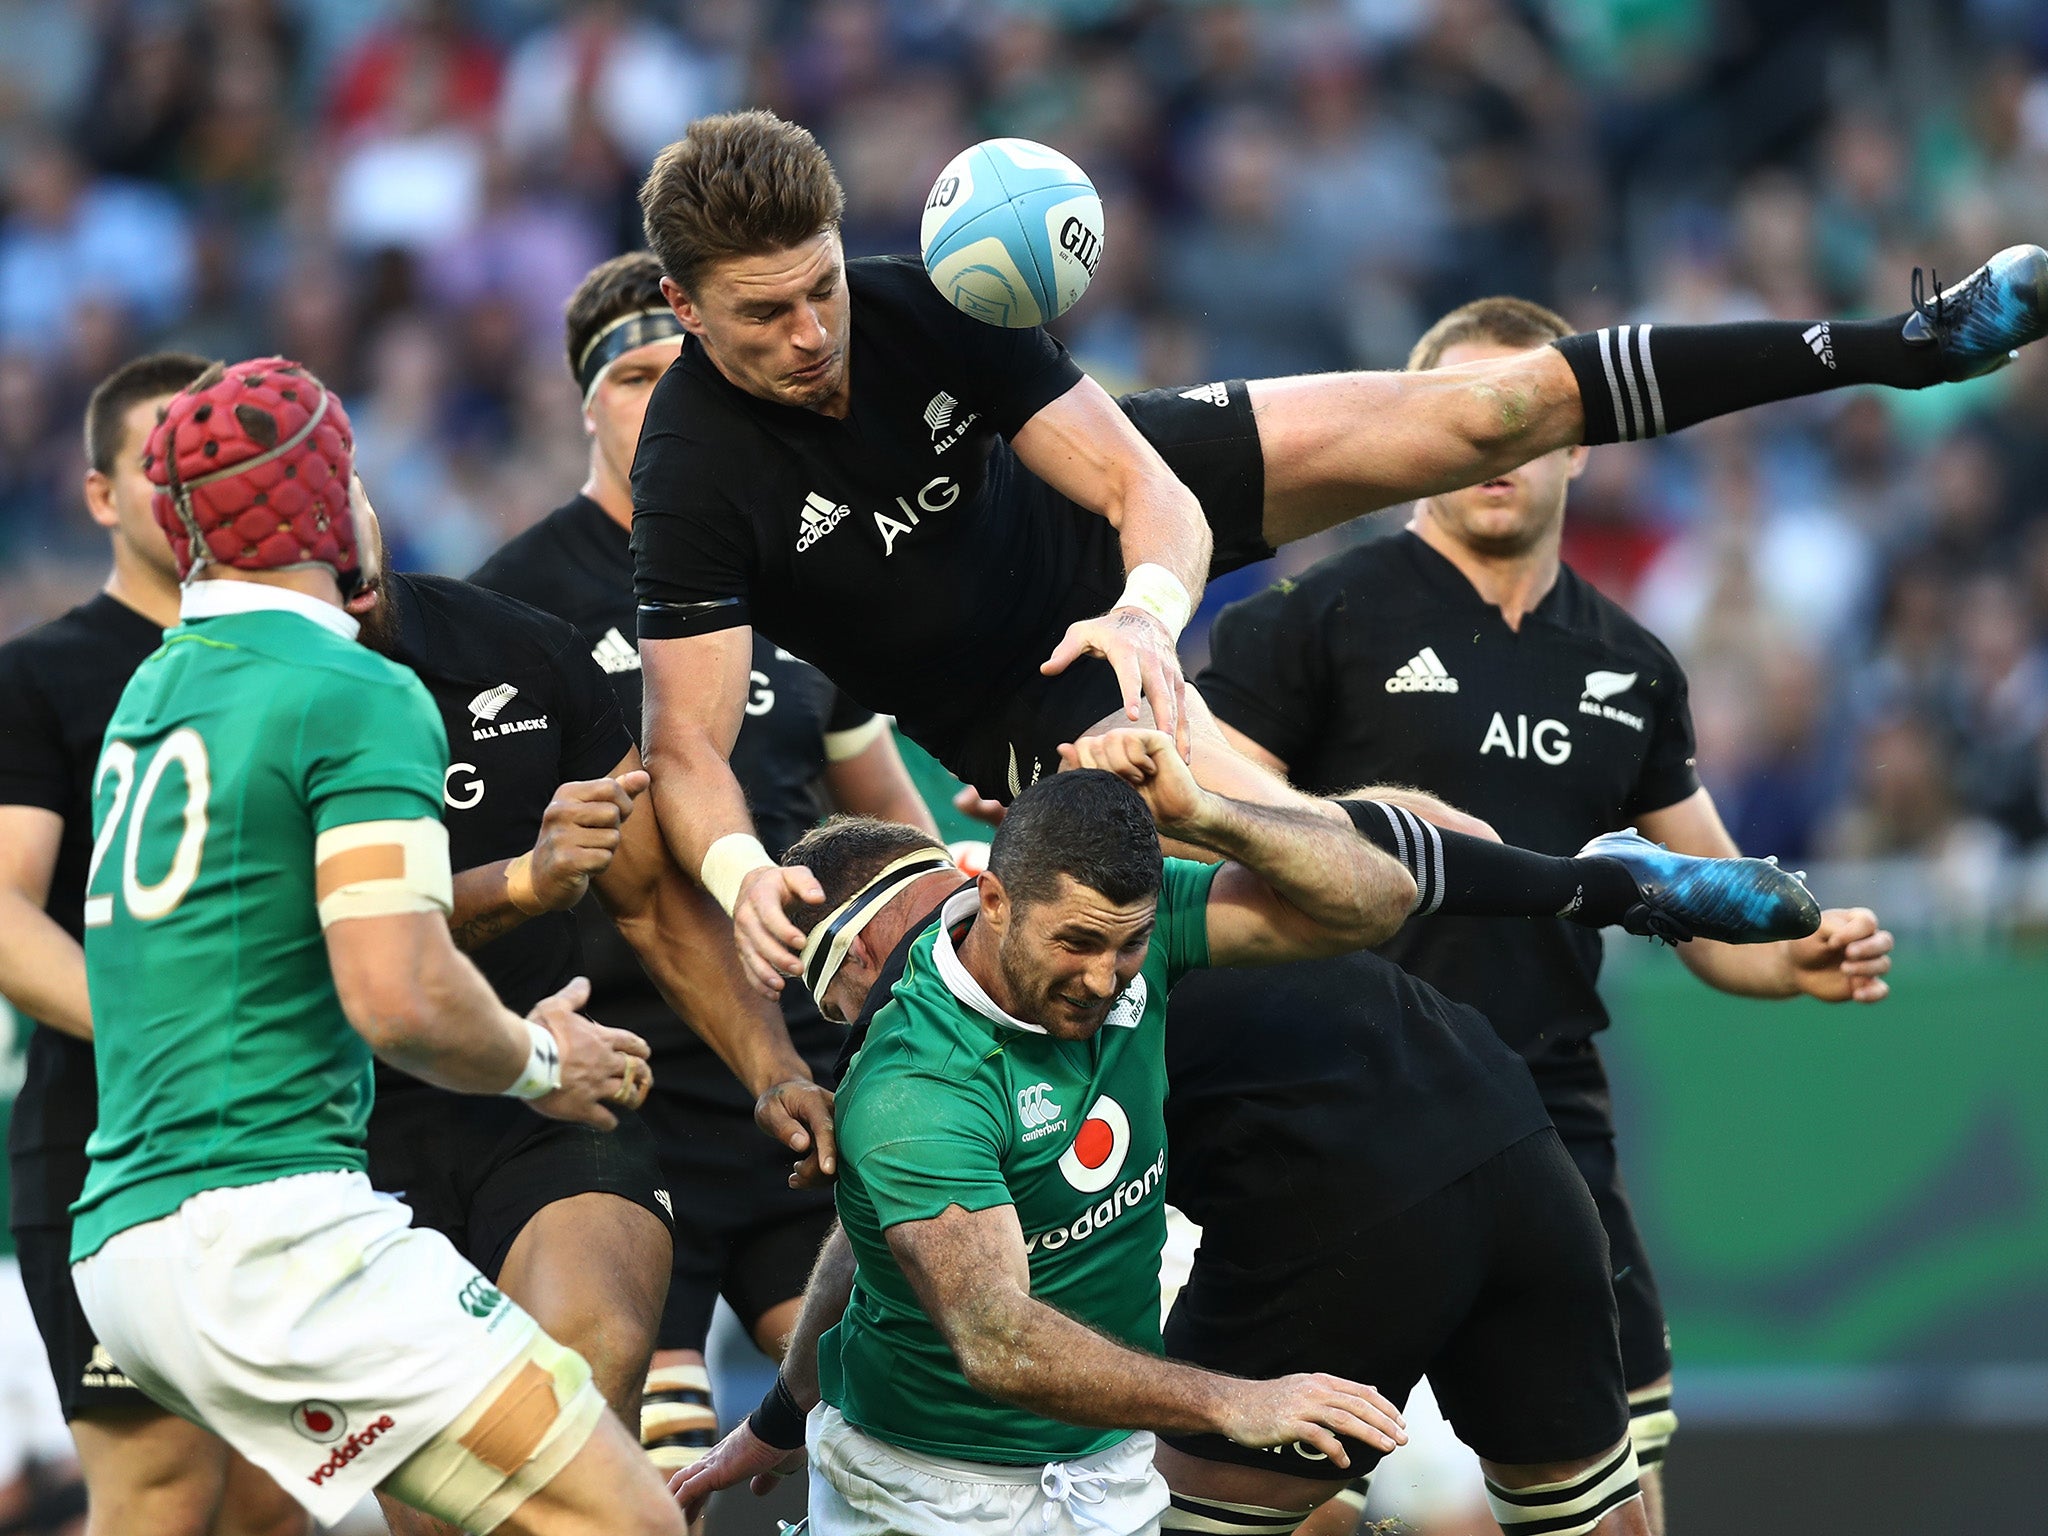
1183	927
352	772
1670	773
594	734
1268	672
920	1143
694	556
33	766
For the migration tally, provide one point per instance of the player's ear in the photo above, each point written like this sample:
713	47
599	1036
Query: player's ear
99	499
1580	455
995	901
680	303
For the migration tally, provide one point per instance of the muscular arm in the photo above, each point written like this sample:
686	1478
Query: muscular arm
874	782
1845	960
972	1277
42	968
825	1299
421	1005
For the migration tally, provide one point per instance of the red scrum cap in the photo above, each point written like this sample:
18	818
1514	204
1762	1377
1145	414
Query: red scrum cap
253	460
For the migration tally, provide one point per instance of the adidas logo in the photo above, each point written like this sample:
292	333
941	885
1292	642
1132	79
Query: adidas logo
1823	343
485	706
1424	674
1212	394
820	517
615	653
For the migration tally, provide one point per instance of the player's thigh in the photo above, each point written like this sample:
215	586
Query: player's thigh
1231	1499
593	1270
148	1470
1532	1374
1598	1495
1639	1307
766	1270
609	1488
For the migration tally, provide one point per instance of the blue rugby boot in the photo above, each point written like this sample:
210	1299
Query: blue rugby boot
1738	901
1977	324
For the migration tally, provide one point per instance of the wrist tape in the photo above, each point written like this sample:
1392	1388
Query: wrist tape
543	1072
779	1421
729	861
1158	591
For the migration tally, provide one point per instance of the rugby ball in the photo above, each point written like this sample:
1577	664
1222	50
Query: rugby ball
1012	232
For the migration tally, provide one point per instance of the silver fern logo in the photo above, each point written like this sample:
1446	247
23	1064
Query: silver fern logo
486	705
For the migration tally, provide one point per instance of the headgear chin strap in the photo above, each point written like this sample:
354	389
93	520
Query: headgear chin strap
826	949
642	328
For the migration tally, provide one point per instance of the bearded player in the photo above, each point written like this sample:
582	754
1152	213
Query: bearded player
962	530
265	908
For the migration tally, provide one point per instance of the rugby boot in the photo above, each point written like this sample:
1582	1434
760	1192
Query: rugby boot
1738	901
1977	325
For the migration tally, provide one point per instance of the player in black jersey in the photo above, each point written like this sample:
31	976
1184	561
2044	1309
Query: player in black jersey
145	1469
802	748
1462	656
964	531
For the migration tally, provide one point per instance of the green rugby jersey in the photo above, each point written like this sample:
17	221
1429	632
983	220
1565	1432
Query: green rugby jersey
224	1056
945	1105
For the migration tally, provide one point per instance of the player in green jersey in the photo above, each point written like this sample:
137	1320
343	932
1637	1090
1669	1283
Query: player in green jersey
265	908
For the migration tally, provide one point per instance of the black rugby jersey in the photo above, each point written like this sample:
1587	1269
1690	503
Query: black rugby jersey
1384	665
578	564
884	548
526	710
58	688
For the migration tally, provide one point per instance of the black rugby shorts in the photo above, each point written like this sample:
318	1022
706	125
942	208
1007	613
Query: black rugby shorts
741	1231
1210	440
477	1168
1495	1287
87	1378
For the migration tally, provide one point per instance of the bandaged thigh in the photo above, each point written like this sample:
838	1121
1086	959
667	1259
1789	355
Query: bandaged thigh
1651	1424
1572	1507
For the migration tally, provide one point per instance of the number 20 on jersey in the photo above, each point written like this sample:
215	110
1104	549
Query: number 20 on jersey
185	751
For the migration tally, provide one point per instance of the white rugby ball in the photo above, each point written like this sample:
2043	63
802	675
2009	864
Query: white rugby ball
1012	232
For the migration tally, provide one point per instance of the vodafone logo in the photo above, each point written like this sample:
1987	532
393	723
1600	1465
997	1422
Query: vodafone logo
1099	1148
320	1421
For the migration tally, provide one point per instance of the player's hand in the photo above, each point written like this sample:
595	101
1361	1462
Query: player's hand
973	803
1313	1409
602	1068
1141	649
1149	763
798	1113
1845	959
770	945
741	1457
579	833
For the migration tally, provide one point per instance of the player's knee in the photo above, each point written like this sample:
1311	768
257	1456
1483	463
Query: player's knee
1651	1424
1570	1506
1218	1517
508	1444
677	1422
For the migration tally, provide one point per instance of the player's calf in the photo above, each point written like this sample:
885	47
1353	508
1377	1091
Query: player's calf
1601	1497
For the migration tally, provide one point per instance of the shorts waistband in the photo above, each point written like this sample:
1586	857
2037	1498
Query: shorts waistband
1022	1475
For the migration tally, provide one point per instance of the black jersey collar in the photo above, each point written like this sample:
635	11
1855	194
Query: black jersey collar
1436	569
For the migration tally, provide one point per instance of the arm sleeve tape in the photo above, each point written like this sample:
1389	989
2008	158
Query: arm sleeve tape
840	745
378	868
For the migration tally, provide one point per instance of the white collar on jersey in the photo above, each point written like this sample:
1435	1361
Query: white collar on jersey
959	981
217	599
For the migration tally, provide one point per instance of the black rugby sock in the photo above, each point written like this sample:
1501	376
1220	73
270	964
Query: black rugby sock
1463	876
1639	381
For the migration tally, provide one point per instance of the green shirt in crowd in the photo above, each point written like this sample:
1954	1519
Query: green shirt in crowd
224	1056
950	1102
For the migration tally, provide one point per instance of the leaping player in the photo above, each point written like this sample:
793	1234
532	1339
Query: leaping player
963	530
265	908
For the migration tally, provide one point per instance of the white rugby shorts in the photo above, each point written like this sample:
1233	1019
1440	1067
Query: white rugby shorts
307	1323
861	1486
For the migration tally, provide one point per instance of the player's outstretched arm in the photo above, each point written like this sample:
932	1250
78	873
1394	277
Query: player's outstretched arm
685	944
1298	883
42	968
972	1276
1844	961
695	698
1084	447
579	834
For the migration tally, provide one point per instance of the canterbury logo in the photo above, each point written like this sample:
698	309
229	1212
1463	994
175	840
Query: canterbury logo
1425	673
615	653
1035	1106
1821	340
1208	394
939	414
486	705
819	518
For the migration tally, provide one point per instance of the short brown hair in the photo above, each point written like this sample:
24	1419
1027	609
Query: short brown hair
736	185
625	285
844	854
1503	321
148	377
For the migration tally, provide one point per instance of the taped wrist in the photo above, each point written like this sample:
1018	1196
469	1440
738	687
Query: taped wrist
519	889
542	1074
1572	1507
1159	592
779	1421
1459	875
677	1423
729	861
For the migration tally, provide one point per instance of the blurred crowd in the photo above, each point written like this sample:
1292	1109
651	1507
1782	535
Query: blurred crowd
400	193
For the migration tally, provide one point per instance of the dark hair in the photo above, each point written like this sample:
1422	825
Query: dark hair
1503	321
1086	824
624	285
736	185
845	853
148	377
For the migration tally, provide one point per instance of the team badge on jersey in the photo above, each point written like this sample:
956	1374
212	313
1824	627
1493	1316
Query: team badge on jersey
1130	1006
319	1421
486	705
1100	1147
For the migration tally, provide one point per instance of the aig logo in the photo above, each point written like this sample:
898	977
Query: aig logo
1035	1106
1550	740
